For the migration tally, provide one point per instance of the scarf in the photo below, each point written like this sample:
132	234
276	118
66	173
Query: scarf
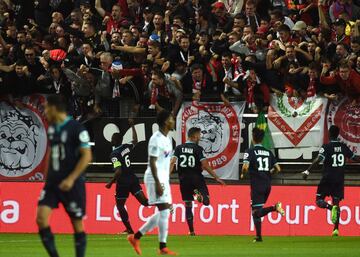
116	89
311	90
156	91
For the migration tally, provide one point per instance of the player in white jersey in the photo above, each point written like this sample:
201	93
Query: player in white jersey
157	183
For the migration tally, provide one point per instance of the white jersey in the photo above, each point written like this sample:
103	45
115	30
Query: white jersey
160	146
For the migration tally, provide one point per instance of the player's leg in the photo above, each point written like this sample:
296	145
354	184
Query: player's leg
265	210
74	202
47	202
79	236
203	190
322	192
335	213
257	202
137	191
120	204
186	190
164	210
47	237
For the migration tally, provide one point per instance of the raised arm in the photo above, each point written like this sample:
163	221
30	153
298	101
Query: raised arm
99	8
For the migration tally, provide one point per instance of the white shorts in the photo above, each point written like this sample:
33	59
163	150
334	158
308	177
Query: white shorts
153	198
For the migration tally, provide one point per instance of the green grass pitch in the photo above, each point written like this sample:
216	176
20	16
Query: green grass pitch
28	245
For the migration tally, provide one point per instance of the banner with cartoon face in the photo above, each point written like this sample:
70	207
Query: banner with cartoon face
294	122
23	140
347	117
220	133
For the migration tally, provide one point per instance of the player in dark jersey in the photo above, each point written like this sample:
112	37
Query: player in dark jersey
333	155
260	163
191	161
126	180
65	183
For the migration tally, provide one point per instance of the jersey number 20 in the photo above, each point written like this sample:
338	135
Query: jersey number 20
187	161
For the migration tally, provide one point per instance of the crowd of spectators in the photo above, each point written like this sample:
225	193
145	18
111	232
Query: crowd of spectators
123	58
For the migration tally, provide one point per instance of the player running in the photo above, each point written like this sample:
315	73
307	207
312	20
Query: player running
126	180
65	182
333	155
261	163
157	176
191	161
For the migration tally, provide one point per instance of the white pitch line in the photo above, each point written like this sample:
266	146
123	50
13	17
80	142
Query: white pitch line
63	239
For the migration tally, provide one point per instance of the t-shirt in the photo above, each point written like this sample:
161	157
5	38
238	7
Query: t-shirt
334	155
160	146
261	161
189	157
120	157
66	140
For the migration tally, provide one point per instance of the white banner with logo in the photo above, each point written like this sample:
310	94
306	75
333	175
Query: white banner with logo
220	128
23	139
347	117
294	122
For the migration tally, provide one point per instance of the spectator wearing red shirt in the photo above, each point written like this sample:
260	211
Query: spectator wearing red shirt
114	20
347	78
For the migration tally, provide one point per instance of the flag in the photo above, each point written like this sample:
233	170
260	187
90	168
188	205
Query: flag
262	124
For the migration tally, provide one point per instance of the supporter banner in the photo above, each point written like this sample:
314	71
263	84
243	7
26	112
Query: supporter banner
294	122
220	128
23	139
228	214
347	117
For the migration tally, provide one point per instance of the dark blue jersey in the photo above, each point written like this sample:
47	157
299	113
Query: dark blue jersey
189	157
334	155
260	161
66	139
120	157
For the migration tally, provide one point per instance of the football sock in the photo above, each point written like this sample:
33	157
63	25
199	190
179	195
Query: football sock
322	204
125	217
80	244
151	223
189	218
162	245
257	223
164	225
336	225
47	238
206	200
263	211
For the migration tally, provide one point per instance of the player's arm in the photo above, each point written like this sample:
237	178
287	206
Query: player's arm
244	169
153	168
117	174
205	166
315	162
246	165
172	164
85	158
134	134
275	169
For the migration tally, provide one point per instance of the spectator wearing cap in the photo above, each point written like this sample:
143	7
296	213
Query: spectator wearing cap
146	24
347	78
114	20
220	17
301	32
339	35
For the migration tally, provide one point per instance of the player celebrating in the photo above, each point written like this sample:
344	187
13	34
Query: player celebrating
261	163
157	183
126	180
334	156
65	183
190	164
